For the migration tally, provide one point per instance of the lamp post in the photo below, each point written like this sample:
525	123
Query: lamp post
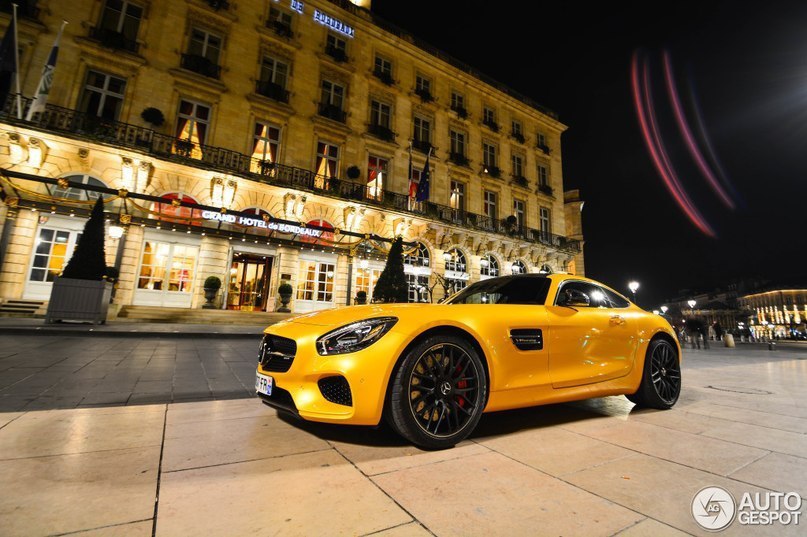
664	310
633	286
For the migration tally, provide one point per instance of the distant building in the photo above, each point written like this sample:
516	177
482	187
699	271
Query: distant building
270	141
777	313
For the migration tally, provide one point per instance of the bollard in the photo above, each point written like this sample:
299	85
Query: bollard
771	345
728	341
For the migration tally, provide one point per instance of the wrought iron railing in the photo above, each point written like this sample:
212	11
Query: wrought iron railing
77	124
272	90
333	112
201	65
112	39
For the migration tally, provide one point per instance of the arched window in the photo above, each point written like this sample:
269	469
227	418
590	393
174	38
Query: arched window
327	235
168	212
545	269
417	270
418	256
456	273
519	267
78	194
489	266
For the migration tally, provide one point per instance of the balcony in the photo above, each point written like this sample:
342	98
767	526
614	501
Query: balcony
384	76
461	112
493	171
518	137
521	181
64	121
458	158
491	124
422	145
333	112
276	92
113	39
200	65
381	132
545	189
280	28
338	54
425	95
218	4
544	148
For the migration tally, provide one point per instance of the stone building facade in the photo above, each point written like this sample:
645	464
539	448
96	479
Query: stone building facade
299	123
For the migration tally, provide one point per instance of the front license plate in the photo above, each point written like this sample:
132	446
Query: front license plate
263	384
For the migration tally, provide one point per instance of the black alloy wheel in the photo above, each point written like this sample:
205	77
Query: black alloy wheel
661	378
438	392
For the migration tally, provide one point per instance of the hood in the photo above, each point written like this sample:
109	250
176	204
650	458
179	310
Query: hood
346	315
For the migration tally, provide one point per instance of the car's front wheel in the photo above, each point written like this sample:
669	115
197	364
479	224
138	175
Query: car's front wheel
438	392
661	377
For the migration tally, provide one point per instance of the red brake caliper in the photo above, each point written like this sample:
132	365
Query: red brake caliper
461	384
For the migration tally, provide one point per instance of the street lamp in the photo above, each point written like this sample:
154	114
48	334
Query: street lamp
691	304
656	312
664	310
633	286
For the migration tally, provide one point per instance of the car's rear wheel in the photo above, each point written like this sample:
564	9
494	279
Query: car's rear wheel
438	392
661	377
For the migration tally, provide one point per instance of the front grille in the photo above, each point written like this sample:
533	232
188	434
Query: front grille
336	390
277	353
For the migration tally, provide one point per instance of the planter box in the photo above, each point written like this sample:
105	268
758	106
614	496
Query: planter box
78	300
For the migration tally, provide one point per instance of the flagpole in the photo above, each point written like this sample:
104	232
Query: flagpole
17	63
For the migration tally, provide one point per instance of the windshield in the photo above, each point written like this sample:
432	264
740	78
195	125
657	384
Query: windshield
505	290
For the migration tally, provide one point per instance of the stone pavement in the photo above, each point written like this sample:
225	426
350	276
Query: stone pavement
234	467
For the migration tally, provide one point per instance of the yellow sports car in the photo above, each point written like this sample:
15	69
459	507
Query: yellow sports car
431	370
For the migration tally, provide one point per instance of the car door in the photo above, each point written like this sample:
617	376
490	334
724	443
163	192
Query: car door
588	343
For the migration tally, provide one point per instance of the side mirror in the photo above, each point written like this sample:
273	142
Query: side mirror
575	298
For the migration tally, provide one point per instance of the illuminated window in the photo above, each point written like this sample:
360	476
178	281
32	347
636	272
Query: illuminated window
193	120
519	267
327	163
376	174
489	266
417	271
456	198
167	267
366	278
456	274
265	146
315	281
171	212
53	248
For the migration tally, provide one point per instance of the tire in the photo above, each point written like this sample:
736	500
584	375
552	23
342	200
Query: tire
661	377
438	393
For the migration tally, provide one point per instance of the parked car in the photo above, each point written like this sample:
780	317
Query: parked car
431	370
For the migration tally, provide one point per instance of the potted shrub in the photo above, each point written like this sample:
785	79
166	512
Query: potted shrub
153	116
392	285
361	297
82	292
211	287
285	290
353	172
183	147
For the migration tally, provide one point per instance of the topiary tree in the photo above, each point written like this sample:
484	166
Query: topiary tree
89	258
392	285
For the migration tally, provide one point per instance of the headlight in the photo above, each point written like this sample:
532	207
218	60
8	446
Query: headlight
355	336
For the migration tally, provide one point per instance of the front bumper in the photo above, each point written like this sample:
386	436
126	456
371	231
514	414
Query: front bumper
298	391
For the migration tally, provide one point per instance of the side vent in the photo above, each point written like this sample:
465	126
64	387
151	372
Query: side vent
527	339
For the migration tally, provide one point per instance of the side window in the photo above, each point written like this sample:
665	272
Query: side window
616	300
595	295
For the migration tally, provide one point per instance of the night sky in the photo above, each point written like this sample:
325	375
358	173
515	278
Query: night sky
742	64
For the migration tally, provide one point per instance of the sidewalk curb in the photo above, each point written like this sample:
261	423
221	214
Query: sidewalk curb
71	332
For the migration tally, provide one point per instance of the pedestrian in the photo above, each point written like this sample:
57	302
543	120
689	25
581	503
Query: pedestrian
718	331
704	331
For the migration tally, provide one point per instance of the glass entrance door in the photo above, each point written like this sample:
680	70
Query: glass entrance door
249	282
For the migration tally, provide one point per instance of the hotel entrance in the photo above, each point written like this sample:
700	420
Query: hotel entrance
248	286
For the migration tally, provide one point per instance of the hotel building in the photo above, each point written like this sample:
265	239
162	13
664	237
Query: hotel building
267	141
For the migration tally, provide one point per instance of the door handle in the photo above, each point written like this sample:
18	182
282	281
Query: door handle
617	319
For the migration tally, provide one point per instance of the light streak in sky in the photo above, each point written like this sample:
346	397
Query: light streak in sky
686	133
652	139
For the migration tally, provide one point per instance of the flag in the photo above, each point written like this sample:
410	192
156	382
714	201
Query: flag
8	61
41	97
413	186
423	185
